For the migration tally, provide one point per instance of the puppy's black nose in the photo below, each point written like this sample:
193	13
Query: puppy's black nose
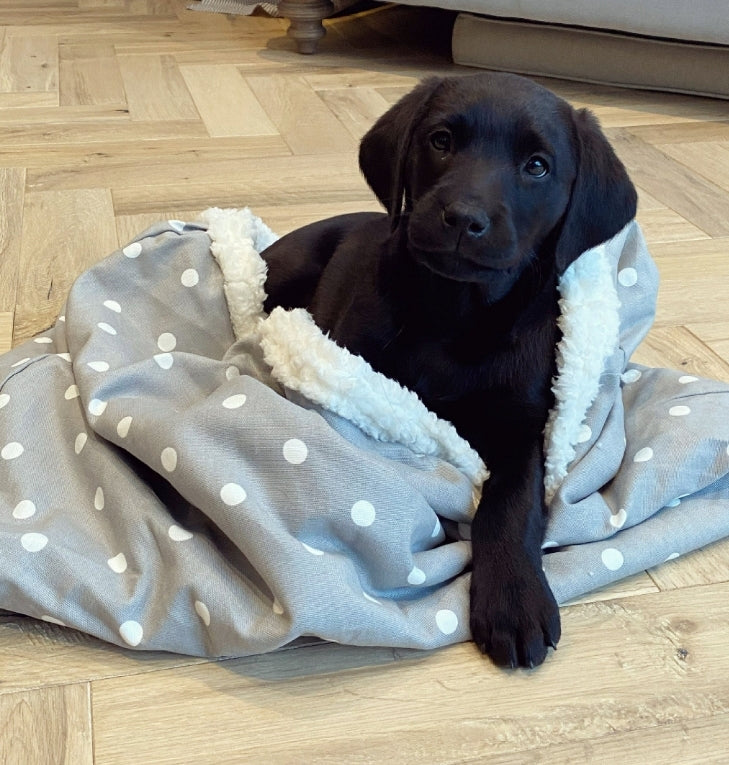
466	218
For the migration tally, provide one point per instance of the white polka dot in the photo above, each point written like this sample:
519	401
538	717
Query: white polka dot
118	564
131	632
672	556
99	500
679	411
232	494
628	277
4	398
203	612
643	455
436	529
52	620
235	402
133	250
112	305
80	442
97	407
24	509
585	434
20	363
612	559
277	608
166	342
102	325
98	366
631	375
312	550
686	379
447	621
190	277
617	520
295	451
416	576
42	340
363	513
71	392
176	225
371	599
178	534
34	542
231	373
122	429
169	459
164	360
64	356
11	451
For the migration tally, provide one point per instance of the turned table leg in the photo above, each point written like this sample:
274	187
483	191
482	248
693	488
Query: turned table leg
306	17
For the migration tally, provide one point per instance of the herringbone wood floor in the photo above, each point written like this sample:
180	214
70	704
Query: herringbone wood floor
117	113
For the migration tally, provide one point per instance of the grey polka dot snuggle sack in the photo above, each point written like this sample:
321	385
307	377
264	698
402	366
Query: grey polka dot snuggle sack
181	472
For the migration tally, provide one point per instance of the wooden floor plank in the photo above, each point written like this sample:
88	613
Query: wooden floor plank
356	108
690	273
49	725
150	163
115	127
696	742
35	654
694	132
710	159
155	89
678	348
264	182
697	200
12	193
237	112
644	661
90	75
64	232
664	225
301	116
6	331
29	63
707	566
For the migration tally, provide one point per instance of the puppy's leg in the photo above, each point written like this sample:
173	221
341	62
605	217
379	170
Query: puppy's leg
297	261
514	616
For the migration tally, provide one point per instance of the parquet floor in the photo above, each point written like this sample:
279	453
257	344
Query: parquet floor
117	113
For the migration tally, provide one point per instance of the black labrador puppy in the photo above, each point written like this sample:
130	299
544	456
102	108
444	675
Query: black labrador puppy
493	186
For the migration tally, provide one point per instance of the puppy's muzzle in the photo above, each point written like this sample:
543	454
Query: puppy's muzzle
465	220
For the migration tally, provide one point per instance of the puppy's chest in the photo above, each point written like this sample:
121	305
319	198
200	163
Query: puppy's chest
450	368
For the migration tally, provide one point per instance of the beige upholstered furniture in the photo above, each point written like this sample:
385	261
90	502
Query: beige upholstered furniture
676	45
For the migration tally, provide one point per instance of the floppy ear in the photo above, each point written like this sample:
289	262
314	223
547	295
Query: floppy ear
385	148
603	199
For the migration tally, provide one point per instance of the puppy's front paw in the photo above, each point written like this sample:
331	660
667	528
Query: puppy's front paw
514	617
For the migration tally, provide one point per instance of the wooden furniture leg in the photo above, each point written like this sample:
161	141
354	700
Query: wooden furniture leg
306	17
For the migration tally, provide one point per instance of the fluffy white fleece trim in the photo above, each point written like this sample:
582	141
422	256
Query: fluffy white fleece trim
304	359
237	237
589	322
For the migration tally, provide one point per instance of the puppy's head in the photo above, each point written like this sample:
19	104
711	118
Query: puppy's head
492	172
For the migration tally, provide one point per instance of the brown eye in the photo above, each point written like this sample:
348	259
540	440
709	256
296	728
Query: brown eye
536	166
441	140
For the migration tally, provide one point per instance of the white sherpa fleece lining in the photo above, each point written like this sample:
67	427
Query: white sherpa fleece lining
304	359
